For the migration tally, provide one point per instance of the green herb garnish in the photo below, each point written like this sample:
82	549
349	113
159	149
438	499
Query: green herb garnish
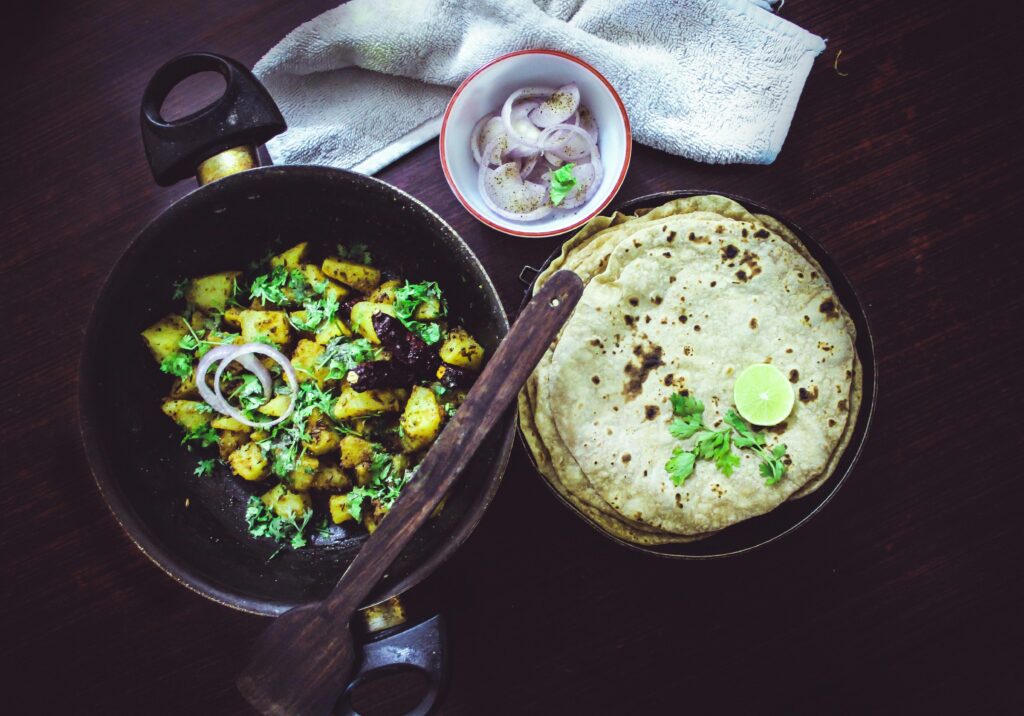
343	354
281	285
203	434
205	467
177	364
180	286
716	445
360	253
562	182
264	523
409	298
384	487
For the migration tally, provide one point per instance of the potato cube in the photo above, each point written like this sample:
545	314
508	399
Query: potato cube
331	477
185	387
276	406
385	293
265	325
361	277
304	474
353	404
429	310
189	414
322	436
338	506
212	293
285	503
316	278
291	258
233	316
249	462
461	349
332	330
163	336
362	318
355	450
305	360
228	441
226	422
421	420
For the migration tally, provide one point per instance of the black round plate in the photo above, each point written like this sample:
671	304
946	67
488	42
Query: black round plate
759	531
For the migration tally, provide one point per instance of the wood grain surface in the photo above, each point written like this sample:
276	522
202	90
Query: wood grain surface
904	595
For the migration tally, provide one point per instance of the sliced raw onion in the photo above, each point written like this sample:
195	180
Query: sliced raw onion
474	138
557	108
586	184
568	148
245	355
507	195
506	111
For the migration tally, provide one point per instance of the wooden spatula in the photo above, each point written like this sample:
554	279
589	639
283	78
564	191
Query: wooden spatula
302	662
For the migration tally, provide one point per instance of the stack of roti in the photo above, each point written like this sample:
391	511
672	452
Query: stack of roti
680	299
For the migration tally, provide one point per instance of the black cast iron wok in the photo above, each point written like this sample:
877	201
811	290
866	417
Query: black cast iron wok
194	528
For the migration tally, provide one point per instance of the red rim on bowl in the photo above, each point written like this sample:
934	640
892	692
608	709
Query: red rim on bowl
599	208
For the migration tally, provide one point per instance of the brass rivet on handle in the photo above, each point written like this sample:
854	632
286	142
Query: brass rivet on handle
230	161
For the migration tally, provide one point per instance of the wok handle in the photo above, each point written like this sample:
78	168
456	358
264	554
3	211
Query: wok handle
421	647
217	140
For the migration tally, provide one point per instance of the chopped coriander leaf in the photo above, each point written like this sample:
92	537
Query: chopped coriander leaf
281	285
716	445
264	523
360	253
384	487
680	466
563	181
205	467
684	405
249	392
408	300
343	354
318	312
177	364
205	435
179	288
324	529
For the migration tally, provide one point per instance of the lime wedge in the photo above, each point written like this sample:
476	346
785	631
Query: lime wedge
763	395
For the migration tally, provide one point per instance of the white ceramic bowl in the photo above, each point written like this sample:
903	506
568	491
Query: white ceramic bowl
485	91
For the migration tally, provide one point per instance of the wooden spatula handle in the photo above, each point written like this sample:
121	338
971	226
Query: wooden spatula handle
302	662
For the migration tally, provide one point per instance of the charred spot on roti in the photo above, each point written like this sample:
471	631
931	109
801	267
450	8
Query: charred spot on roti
697	328
741	275
671	237
761	234
807	321
596	342
683	318
831	423
679	500
671	279
634	301
651	411
669	379
719	229
744	232
596	379
823	346
699	239
843	405
637	244
630	320
768	359
648	360
807	396
718	490
729	252
713	284
778	429
667	254
799	274
626	457
828	307
753	323
789	350
657	300
794	376
687	351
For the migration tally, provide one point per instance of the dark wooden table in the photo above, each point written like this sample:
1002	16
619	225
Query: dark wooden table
904	595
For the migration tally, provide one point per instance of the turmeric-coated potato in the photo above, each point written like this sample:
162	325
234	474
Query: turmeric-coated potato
331	478
355	451
163	336
305	360
249	462
228	441
292	257
189	414
338	505
421	420
322	437
361	277
461	349
303	476
355	404
285	503
212	293
261	326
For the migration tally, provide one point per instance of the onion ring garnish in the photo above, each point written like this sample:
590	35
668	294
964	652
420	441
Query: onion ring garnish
245	355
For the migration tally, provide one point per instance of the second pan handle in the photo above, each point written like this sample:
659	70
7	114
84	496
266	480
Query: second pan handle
243	118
